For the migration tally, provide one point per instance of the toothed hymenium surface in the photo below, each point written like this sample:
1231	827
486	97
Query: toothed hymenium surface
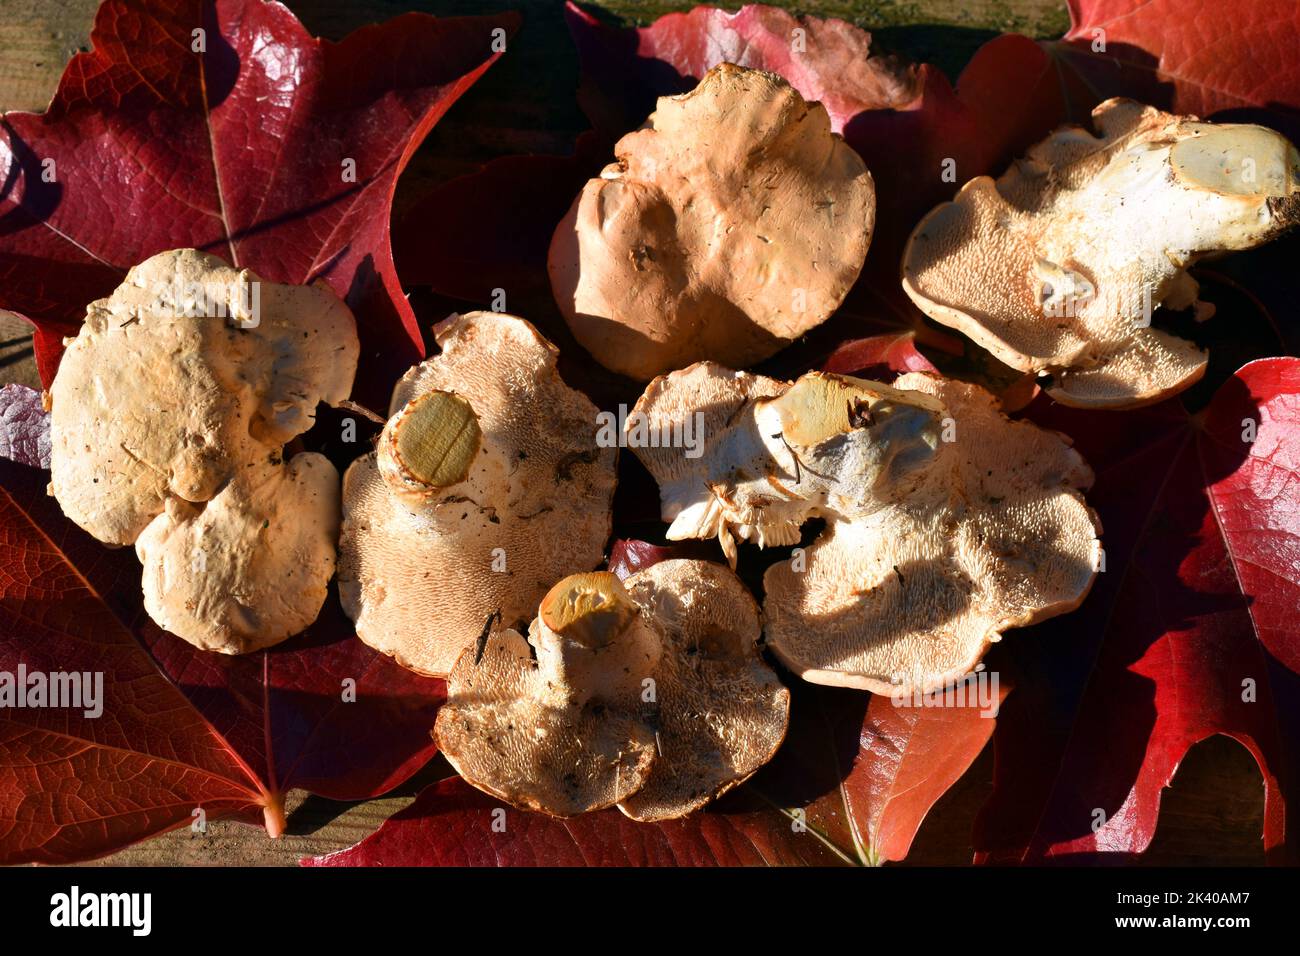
946	522
487	486
1058	266
648	694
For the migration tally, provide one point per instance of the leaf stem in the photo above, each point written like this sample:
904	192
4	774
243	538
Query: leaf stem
273	815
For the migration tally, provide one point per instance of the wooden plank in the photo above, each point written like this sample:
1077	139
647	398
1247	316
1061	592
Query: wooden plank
1212	815
16	362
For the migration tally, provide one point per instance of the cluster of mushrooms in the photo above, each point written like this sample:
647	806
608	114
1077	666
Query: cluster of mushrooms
729	225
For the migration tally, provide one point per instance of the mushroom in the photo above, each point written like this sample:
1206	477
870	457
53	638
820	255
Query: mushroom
649	694
722	712
1056	267
169	414
487	485
553	723
730	224
946	523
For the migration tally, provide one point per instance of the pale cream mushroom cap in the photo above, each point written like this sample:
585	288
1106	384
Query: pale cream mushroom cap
1057	266
250	567
179	388
722	712
946	522
421	569
151	403
730	224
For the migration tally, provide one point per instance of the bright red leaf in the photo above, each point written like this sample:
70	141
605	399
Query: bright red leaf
876	355
1189	56
223	125
866	769
1190	631
73	786
180	729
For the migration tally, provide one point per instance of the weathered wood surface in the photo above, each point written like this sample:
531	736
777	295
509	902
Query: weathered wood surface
1213	814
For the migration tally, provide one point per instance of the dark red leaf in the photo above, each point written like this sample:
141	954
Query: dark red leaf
628	555
491	229
452	824
246	149
24	426
1189	632
180	729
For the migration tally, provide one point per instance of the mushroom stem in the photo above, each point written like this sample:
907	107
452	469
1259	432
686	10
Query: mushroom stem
429	444
819	406
1238	160
589	636
847	432
590	609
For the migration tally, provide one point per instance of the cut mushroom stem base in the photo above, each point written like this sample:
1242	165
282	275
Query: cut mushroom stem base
430	444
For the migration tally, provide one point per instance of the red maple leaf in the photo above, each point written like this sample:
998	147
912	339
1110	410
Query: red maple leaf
1189	56
181	730
224	126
